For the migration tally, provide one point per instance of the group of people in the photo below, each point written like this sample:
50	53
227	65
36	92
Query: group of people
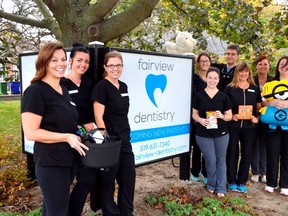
226	103
57	103
53	107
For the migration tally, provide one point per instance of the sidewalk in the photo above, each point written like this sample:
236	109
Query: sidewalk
9	97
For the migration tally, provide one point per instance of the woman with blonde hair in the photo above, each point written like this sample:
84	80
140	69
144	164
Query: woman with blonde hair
246	101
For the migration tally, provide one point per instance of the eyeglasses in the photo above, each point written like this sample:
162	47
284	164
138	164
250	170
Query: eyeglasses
204	61
111	66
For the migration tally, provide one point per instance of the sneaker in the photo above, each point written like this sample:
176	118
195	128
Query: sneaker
269	189
194	178
242	188
232	187
203	178
263	179
255	178
284	191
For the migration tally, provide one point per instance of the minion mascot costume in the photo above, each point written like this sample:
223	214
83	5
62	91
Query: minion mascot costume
271	115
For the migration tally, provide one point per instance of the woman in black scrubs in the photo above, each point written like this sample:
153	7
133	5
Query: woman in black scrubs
242	91
111	105
199	80
80	87
49	118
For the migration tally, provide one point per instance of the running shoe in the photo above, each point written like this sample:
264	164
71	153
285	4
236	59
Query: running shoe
269	189
233	187
284	191
242	188
255	178
194	178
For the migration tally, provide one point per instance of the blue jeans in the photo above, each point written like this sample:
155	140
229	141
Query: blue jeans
55	186
214	151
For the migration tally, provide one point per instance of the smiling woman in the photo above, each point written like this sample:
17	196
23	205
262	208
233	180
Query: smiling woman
111	105
211	111
243	92
56	142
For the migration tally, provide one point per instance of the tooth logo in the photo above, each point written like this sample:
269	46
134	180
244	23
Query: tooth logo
152	83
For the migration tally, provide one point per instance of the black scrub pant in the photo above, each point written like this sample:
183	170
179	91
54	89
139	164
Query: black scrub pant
125	175
259	154
55	182
86	178
198	162
247	137
277	149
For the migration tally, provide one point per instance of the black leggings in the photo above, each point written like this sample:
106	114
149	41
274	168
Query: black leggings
125	175
55	186
246	138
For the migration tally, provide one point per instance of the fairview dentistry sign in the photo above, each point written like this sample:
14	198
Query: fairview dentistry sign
160	88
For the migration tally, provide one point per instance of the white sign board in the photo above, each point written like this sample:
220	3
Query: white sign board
160	88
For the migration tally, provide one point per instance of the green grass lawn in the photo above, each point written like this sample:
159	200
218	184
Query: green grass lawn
10	127
10	118
13	171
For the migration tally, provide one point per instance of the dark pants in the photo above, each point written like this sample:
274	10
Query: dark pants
246	136
55	186
86	178
198	162
277	149
126	180
259	154
125	175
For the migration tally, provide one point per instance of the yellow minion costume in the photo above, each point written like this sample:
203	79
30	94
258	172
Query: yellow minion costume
271	115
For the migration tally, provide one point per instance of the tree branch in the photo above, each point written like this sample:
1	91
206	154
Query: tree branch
178	7
43	8
99	10
22	20
51	22
126	21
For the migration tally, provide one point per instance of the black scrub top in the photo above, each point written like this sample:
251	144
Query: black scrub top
58	115
199	83
203	103
226	75
81	96
116	102
238	96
